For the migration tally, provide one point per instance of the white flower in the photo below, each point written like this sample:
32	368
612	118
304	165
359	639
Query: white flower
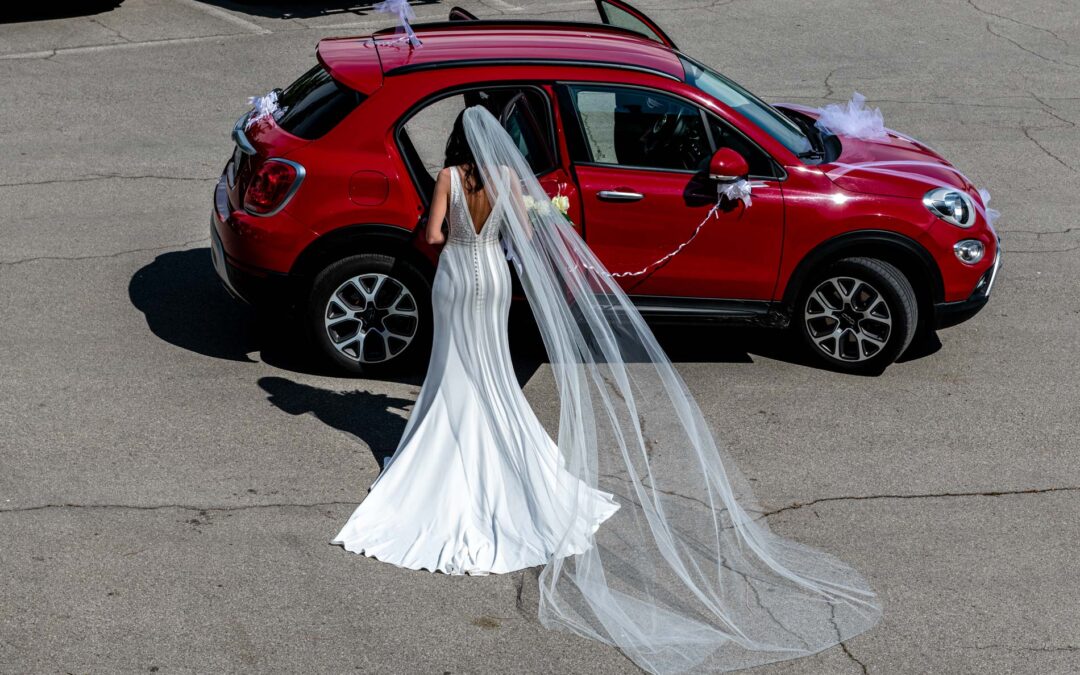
562	203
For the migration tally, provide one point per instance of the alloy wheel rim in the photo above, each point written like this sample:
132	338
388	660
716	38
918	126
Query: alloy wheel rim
371	318
848	319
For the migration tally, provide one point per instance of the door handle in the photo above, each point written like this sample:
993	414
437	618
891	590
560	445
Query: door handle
619	196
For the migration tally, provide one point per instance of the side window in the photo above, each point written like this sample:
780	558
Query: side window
524	112
724	136
641	128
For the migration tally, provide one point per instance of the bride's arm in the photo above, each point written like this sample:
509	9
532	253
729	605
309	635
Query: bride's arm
439	201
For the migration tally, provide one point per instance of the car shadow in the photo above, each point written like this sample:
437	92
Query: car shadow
297	9
185	305
17	12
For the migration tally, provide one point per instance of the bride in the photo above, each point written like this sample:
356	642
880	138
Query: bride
650	539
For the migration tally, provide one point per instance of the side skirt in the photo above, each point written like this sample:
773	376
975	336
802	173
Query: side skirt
681	310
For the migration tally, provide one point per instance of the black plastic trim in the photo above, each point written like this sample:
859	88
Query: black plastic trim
497	23
871	243
343	241
676	309
470	63
948	314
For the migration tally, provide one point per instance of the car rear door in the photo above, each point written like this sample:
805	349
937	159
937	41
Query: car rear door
640	157
622	15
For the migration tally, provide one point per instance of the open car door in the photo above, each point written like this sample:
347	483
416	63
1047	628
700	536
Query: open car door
621	15
528	128
459	14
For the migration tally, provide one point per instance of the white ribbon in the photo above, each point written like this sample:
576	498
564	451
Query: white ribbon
738	190
991	214
853	119
265	105
672	254
405	14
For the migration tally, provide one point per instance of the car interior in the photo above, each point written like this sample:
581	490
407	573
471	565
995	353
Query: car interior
523	112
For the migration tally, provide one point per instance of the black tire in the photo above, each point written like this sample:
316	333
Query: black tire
857	315
402	287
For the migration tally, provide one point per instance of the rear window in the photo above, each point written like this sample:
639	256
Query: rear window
315	104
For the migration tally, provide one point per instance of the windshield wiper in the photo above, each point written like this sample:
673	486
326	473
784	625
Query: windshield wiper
811	154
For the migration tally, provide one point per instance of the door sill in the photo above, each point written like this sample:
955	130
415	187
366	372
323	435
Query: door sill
673	309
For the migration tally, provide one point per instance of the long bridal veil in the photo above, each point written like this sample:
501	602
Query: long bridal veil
685	576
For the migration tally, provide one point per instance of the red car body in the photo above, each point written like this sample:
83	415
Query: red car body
357	192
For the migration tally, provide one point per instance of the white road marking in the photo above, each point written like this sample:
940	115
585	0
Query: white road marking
249	26
114	45
502	4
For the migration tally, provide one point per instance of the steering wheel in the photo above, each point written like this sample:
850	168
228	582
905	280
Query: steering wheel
668	125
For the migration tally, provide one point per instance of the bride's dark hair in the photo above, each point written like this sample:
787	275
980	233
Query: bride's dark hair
458	153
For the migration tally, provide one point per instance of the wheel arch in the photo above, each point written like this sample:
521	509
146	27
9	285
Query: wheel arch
903	252
350	240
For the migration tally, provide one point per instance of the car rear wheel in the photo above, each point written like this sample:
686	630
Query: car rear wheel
371	314
858	315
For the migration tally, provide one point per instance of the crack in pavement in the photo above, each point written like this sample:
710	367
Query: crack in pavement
1038	234
182	507
829	93
112	30
851	656
844	647
1050	110
182	245
1012	648
930	495
1029	51
1016	21
1027	134
105	176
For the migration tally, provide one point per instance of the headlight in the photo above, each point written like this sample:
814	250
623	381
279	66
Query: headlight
969	251
952	206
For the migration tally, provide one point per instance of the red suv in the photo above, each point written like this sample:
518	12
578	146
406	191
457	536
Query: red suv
320	205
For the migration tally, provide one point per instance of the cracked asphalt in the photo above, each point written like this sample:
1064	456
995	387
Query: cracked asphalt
174	466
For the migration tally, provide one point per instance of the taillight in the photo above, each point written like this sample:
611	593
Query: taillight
271	187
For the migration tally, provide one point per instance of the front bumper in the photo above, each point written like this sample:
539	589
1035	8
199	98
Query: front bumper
948	314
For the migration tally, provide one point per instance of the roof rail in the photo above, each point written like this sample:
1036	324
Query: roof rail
503	23
468	63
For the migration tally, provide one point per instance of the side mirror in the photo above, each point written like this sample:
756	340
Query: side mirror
727	166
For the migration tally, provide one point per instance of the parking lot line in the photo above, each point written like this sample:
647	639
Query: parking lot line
59	51
250	26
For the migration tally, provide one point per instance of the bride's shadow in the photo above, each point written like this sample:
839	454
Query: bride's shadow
376	419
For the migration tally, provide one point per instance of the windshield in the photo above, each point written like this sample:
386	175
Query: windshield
771	120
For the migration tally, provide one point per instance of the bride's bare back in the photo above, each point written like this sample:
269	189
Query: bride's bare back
475	199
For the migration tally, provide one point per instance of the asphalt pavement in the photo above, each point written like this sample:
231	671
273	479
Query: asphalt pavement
174	466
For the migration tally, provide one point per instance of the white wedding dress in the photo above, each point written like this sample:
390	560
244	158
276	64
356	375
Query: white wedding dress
476	485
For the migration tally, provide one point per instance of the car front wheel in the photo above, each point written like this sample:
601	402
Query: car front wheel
371	313
858	314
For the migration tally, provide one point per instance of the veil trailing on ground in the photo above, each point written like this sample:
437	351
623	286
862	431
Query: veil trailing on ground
685	576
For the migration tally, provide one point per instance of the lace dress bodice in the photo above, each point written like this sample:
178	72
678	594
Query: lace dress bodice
461	225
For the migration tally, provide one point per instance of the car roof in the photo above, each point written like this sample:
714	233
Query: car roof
361	62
